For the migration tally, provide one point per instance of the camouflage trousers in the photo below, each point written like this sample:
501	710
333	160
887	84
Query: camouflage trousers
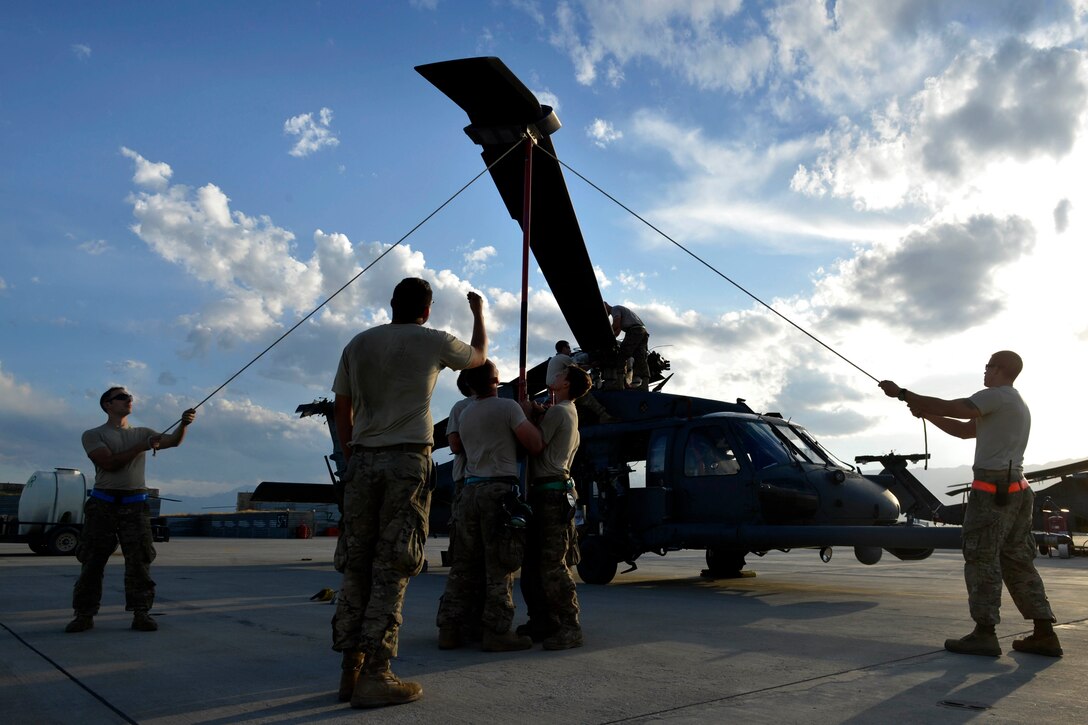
636	345
104	525
477	563
551	596
387	498
998	546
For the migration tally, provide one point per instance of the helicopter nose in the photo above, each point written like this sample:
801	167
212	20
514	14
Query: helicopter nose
886	507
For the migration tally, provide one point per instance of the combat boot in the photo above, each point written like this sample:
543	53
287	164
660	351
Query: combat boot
81	623
505	641
981	641
378	687
1046	644
142	621
538	632
566	637
350	666
450	638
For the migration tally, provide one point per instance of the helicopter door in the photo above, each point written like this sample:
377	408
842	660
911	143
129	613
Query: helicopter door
713	486
784	491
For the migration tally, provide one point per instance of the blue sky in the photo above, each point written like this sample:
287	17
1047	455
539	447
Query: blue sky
184	181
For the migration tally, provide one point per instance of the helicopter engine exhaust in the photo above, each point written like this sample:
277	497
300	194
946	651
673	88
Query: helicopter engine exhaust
868	555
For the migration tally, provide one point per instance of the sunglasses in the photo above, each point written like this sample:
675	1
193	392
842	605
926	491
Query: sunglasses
120	396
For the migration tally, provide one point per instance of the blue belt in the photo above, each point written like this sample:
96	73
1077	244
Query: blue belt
134	498
508	480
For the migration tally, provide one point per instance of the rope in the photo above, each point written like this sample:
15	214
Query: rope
711	267
350	281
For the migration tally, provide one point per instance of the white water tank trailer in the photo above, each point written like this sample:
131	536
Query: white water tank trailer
51	510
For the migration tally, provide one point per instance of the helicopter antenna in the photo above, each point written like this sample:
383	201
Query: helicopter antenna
713	269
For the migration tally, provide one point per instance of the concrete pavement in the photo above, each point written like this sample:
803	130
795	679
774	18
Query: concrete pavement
802	642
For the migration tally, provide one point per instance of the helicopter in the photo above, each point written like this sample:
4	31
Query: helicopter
666	472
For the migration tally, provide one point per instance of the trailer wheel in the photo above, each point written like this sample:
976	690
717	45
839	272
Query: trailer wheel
63	541
725	563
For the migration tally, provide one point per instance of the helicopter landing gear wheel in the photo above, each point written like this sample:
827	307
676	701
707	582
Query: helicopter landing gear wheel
724	563
596	566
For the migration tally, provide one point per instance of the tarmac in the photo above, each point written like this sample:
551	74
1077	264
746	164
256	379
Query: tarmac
800	642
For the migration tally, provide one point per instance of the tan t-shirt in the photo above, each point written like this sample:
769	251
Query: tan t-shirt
559	428
1001	432
131	475
487	433
390	372
453	424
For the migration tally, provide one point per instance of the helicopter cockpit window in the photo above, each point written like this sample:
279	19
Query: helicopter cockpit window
764	448
708	453
799	438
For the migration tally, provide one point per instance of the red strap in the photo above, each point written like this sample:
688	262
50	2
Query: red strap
992	487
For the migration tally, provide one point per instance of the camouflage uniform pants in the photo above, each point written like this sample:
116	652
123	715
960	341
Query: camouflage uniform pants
387	498
476	566
551	596
998	546
104	525
636	345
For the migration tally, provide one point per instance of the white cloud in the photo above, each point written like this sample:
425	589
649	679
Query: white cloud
153	175
547	98
95	247
602	132
476	260
81	51
3	284
710	43
126	367
313	134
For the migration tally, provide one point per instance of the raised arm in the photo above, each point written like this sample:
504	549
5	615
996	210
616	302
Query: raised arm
174	439
479	331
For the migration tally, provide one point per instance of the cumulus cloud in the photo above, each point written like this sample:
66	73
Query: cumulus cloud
263	286
936	281
125	367
1015	103
313	134
602	132
3	284
81	51
153	175
167	378
476	260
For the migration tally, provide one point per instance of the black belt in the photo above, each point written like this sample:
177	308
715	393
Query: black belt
421	448
118	496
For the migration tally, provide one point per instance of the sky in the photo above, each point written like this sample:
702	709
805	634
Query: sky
183	182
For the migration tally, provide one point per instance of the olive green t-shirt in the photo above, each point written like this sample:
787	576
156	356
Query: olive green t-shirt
559	428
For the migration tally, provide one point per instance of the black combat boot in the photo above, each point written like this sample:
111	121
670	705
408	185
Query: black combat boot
142	621
81	623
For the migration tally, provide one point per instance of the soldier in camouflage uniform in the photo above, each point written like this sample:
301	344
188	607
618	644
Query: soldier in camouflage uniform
546	583
383	392
117	512
488	551
997	541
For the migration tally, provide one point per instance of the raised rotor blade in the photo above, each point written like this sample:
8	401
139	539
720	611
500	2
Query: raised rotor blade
499	106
